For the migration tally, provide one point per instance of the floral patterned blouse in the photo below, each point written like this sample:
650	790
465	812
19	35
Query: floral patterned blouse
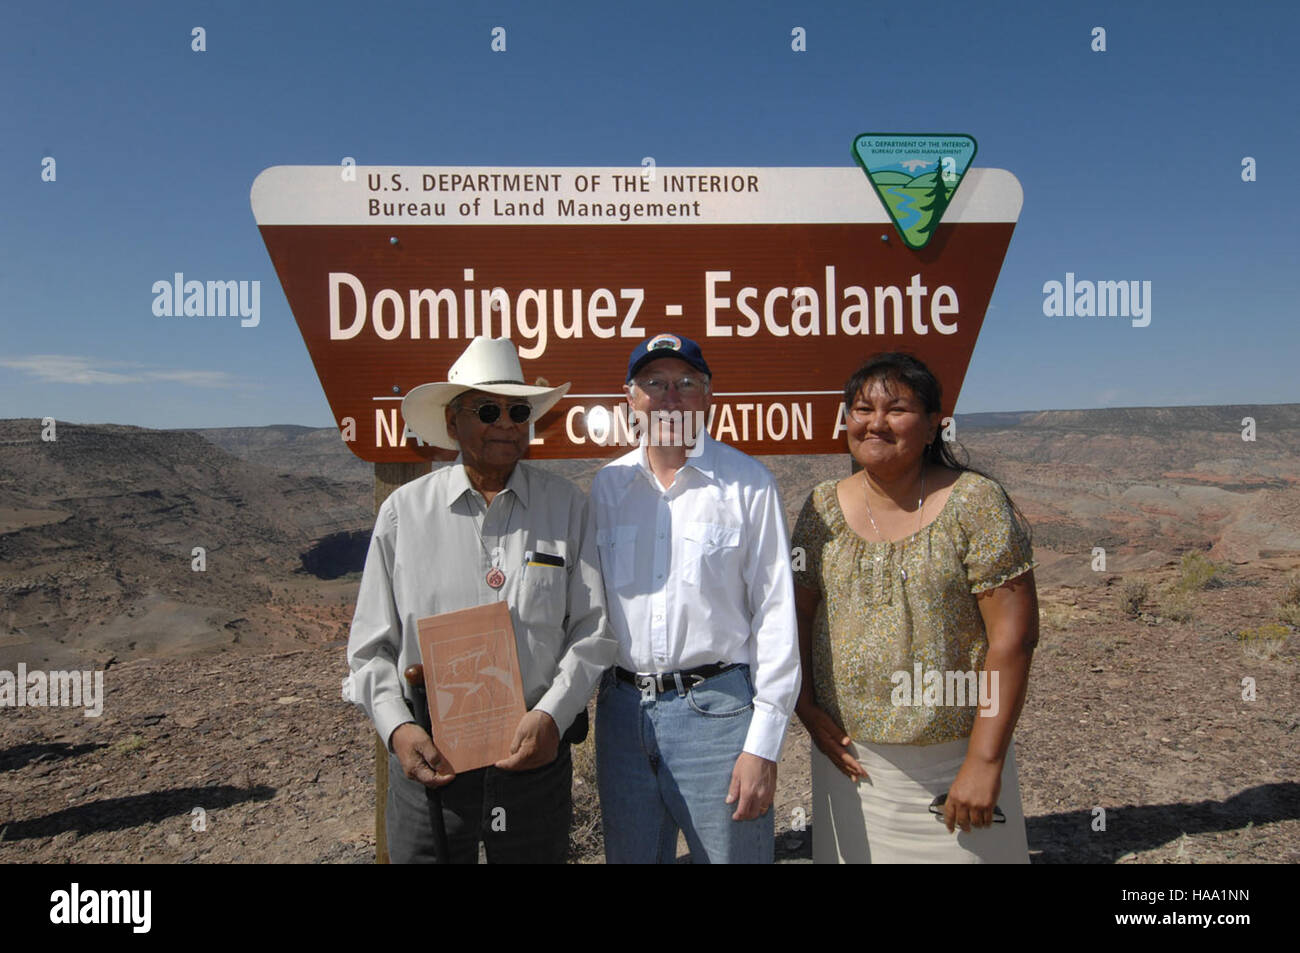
888	606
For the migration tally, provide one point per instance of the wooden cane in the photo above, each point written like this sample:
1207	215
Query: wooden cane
415	678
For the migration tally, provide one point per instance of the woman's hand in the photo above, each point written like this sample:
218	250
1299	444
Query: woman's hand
829	737
1010	615
830	740
973	795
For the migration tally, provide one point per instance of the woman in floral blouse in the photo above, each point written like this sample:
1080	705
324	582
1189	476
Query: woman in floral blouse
918	617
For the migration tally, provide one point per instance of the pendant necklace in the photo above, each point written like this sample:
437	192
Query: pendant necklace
920	503
495	577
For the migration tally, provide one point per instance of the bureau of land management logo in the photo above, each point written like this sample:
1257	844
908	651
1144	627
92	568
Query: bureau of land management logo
915	175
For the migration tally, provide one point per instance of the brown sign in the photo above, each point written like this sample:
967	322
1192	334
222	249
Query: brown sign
788	278
471	676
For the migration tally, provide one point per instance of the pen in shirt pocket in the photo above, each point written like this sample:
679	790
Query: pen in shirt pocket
547	560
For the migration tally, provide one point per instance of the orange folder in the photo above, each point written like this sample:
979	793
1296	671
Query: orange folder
471	675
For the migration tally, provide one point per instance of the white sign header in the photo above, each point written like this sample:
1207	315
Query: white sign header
448	195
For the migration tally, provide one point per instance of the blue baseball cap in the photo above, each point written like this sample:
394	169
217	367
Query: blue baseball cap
666	345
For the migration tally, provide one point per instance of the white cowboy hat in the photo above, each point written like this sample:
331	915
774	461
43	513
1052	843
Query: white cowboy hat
488	364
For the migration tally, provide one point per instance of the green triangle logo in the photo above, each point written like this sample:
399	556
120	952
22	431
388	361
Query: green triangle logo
916	175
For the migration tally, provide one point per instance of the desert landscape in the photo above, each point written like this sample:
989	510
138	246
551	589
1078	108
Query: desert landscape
210	575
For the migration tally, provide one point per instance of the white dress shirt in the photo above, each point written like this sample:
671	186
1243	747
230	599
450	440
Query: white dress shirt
433	545
700	573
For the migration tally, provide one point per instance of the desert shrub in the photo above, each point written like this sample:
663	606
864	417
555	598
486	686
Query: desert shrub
1268	632
1055	617
1291	594
1289	612
1177	606
1131	597
1263	641
1196	572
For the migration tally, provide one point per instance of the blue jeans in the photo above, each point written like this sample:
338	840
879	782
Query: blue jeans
663	763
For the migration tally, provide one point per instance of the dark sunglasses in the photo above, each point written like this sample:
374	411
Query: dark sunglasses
491	413
936	808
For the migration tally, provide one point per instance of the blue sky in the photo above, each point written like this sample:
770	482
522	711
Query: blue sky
1130	162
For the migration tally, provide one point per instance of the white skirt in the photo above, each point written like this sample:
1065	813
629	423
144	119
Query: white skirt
886	819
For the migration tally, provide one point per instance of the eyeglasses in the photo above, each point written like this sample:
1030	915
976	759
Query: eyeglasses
658	386
491	413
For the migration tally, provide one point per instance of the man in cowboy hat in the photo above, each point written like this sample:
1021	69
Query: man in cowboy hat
487	528
696	561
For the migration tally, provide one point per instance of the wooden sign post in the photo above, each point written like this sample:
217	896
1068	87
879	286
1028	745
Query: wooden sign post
388	477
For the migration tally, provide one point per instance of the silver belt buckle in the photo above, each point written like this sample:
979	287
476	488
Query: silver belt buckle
645	680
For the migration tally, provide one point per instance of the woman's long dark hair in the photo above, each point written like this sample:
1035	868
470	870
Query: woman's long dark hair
895	367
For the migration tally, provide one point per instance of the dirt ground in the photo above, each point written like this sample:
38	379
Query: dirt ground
1141	705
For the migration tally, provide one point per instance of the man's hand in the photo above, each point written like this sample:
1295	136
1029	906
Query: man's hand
536	743
419	757
753	783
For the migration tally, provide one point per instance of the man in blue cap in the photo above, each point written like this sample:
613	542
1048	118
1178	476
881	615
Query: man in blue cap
695	557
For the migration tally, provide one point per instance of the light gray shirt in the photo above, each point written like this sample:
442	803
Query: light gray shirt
433	545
